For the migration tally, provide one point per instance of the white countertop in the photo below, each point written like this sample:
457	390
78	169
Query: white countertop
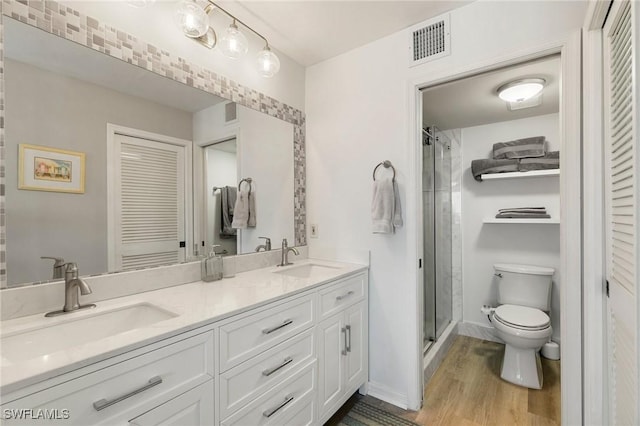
196	304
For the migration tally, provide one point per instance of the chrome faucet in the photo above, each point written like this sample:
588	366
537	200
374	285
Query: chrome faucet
266	246
58	266
285	253
72	284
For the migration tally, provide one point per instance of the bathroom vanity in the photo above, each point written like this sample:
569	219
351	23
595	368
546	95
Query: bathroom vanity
269	346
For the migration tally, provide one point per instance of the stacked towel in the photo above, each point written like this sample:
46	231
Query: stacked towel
386	212
245	210
551	160
523	213
227	205
519	148
480	167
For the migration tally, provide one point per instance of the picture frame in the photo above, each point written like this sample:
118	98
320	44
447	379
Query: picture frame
42	168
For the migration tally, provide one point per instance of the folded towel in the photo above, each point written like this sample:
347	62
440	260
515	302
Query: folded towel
519	148
522	215
550	161
521	208
227	204
479	167
245	210
386	212
530	211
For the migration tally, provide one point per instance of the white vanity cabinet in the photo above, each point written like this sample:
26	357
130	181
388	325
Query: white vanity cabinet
292	361
342	344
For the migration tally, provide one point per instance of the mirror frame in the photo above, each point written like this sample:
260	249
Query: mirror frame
65	22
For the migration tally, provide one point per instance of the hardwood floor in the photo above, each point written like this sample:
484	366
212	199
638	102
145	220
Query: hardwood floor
467	390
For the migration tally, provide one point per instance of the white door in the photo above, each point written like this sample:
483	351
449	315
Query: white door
621	165
332	348
355	370
192	408
149	203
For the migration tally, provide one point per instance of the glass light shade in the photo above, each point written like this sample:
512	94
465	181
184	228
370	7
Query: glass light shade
192	19
521	90
234	44
268	63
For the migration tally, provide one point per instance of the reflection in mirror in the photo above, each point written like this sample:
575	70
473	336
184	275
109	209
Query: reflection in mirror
144	200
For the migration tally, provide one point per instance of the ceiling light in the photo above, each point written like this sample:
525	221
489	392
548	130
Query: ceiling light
268	62
234	44
140	3
521	90
192	19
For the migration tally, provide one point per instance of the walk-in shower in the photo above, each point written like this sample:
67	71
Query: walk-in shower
436	199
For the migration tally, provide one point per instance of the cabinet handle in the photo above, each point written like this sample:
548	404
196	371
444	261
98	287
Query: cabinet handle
269	371
277	327
104	403
349	339
270	412
344	331
344	296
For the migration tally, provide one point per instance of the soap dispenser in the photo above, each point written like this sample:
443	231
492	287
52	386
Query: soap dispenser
211	266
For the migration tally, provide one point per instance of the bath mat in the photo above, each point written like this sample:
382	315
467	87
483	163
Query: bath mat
363	414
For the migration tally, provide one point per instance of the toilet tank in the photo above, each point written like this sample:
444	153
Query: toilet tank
524	285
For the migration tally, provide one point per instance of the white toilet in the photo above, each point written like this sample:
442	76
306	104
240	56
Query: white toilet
521	320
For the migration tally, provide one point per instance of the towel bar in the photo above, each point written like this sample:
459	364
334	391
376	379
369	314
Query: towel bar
386	164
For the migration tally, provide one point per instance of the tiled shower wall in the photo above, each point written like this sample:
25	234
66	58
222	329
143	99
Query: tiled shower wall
70	24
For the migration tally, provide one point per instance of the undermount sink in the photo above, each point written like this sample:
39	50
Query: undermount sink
306	270
74	331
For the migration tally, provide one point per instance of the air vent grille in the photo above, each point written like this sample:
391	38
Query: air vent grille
430	40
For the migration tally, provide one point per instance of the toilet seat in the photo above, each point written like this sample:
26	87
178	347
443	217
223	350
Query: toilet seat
522	317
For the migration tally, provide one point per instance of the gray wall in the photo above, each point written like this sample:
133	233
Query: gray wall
56	111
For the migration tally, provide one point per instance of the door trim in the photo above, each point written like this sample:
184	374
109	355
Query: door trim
112	131
571	217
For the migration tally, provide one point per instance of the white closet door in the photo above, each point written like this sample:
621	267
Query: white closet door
620	54
149	219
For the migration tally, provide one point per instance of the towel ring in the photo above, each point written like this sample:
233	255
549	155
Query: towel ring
386	164
248	181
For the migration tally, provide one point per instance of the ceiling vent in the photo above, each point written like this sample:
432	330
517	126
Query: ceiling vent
430	40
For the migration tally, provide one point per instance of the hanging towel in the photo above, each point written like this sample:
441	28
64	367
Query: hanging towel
245	210
386	212
228	202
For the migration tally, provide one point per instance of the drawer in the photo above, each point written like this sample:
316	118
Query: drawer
242	384
338	296
125	390
302	417
282	402
253	334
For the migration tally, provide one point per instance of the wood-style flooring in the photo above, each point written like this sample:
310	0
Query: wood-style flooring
467	390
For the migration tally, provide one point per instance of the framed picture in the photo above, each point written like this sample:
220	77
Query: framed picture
42	168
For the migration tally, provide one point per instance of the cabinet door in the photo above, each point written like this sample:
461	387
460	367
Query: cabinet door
331	351
192	408
356	360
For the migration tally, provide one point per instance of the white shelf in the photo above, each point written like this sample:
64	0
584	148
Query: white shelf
552	221
511	175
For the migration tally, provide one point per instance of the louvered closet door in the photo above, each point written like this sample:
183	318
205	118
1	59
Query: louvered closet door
620	52
150	203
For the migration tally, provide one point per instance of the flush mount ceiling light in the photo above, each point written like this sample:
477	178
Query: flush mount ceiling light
521	90
193	20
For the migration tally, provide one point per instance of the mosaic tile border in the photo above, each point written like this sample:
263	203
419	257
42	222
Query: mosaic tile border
68	23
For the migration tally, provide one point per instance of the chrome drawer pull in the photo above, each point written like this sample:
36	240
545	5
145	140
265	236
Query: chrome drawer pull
272	411
344	331
349	340
103	403
277	327
344	296
269	371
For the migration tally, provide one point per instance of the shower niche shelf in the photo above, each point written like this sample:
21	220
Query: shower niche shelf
512	175
552	221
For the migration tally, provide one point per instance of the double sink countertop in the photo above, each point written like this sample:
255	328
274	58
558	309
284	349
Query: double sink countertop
35	348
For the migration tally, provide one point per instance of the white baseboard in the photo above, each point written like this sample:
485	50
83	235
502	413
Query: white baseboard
388	395
478	331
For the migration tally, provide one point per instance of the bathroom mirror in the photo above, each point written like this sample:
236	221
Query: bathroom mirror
63	99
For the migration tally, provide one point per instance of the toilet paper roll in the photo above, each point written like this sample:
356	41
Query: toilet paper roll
551	350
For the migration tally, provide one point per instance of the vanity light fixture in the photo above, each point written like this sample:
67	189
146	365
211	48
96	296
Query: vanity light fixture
521	90
193	20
